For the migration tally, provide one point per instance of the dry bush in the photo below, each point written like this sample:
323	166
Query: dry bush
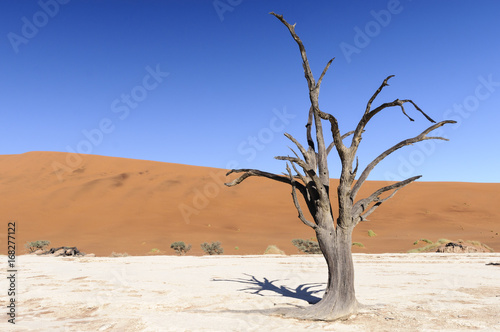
180	247
118	254
35	245
273	250
307	246
213	248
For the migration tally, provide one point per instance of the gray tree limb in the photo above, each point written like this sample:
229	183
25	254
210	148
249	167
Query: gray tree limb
356	139
360	206
254	172
296	201
421	137
305	63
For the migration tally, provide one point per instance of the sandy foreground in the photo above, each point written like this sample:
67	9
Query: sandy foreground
401	292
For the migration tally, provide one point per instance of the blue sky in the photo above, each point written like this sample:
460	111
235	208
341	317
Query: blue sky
217	83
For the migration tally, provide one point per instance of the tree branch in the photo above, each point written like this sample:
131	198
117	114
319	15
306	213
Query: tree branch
296	201
367	117
324	72
418	138
418	108
360	206
298	161
300	175
353	173
301	148
254	172
376	205
356	139
334	127
332	144
384	83
321	155
305	63
310	141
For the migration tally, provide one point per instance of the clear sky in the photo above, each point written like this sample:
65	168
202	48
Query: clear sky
217	83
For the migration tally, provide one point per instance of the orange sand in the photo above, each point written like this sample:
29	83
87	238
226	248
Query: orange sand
103	205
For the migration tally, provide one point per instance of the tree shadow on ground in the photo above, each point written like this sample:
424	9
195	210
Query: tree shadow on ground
256	286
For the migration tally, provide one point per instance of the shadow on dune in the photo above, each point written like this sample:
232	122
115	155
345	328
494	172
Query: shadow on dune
256	286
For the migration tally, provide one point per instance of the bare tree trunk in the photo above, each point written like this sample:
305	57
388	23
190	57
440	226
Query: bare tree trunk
339	300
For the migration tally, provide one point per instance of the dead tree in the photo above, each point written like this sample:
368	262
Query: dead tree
310	177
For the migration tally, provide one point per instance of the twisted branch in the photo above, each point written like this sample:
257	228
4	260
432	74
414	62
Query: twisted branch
360	206
421	137
356	139
254	172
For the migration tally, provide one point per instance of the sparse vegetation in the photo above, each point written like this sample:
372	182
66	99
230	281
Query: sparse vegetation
180	247
273	250
423	240
431	247
487	247
358	244
371	233
118	254
479	244
213	248
307	246
35	245
154	251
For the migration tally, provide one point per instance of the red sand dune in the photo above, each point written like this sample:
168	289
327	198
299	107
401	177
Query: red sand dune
104	204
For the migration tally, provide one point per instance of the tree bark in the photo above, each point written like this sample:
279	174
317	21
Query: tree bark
339	300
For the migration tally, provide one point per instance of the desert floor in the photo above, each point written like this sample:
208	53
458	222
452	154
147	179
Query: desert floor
400	292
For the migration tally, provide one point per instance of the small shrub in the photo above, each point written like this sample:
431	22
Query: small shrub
213	248
35	245
371	233
236	248
307	246
180	248
154	251
358	244
273	250
423	240
118	254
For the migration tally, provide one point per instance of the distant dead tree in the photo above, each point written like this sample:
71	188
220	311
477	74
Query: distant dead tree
311	178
